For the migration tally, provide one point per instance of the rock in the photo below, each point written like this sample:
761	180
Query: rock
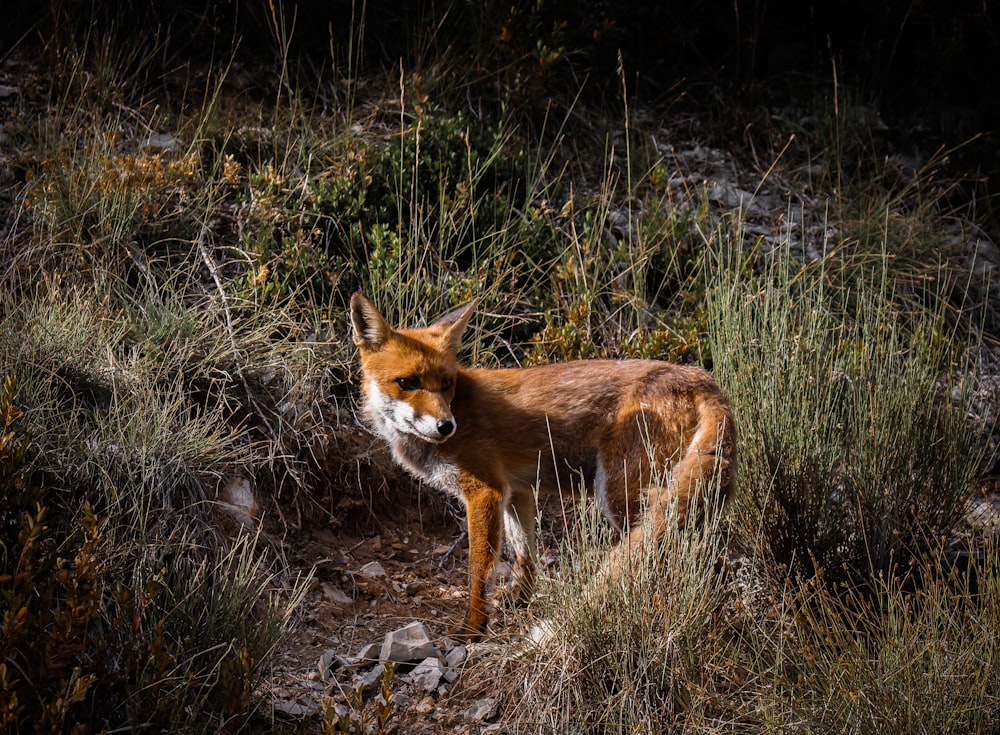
336	595
369	680
237	499
372	570
456	655
426	705
162	141
327	663
733	197
481	710
297	708
428	674
453	659
330	661
408	644
542	634
368	653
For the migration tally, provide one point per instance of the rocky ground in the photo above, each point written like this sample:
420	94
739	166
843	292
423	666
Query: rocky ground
390	589
389	583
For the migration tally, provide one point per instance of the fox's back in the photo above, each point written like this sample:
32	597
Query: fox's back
535	419
588	391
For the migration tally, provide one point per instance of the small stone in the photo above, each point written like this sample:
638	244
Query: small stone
453	660
369	679
408	644
372	570
163	141
456	655
236	498
330	661
298	708
336	595
542	634
481	710
369	652
425	706
428	674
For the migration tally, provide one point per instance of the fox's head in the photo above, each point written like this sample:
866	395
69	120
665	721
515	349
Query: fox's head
409	375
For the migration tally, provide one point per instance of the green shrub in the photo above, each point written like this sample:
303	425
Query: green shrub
856	455
94	636
915	656
123	604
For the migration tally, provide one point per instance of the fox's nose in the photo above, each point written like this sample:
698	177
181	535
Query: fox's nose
446	427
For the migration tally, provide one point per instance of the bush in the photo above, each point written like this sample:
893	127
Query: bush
123	604
96	638
910	655
855	457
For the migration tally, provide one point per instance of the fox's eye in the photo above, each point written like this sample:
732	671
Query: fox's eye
447	383
408	383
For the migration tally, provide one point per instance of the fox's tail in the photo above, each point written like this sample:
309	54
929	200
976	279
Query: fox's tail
700	484
705	477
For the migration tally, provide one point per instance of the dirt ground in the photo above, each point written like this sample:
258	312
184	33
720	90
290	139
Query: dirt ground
384	552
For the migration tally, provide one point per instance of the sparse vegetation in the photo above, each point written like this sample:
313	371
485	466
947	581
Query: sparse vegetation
182	231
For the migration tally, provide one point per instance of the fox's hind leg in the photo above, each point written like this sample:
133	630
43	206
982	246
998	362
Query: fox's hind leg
635	481
519	527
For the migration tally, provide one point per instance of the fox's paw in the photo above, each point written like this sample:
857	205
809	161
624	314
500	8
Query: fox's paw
464	635
470	631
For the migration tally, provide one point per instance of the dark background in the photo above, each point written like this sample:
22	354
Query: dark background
929	67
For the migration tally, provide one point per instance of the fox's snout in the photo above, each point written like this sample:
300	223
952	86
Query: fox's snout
433	428
430	420
426	426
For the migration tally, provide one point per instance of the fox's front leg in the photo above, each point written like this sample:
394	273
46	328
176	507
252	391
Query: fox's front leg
482	510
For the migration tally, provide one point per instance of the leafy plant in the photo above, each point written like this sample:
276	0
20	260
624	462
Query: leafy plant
375	716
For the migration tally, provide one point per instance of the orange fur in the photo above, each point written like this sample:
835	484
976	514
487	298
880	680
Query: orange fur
647	434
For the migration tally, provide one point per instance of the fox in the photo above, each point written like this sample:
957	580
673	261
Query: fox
656	441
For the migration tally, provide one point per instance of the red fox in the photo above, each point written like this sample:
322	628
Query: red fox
645	434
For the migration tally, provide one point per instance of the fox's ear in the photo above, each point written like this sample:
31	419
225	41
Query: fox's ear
370	329
453	324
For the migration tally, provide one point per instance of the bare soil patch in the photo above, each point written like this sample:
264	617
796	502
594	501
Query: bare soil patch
384	552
